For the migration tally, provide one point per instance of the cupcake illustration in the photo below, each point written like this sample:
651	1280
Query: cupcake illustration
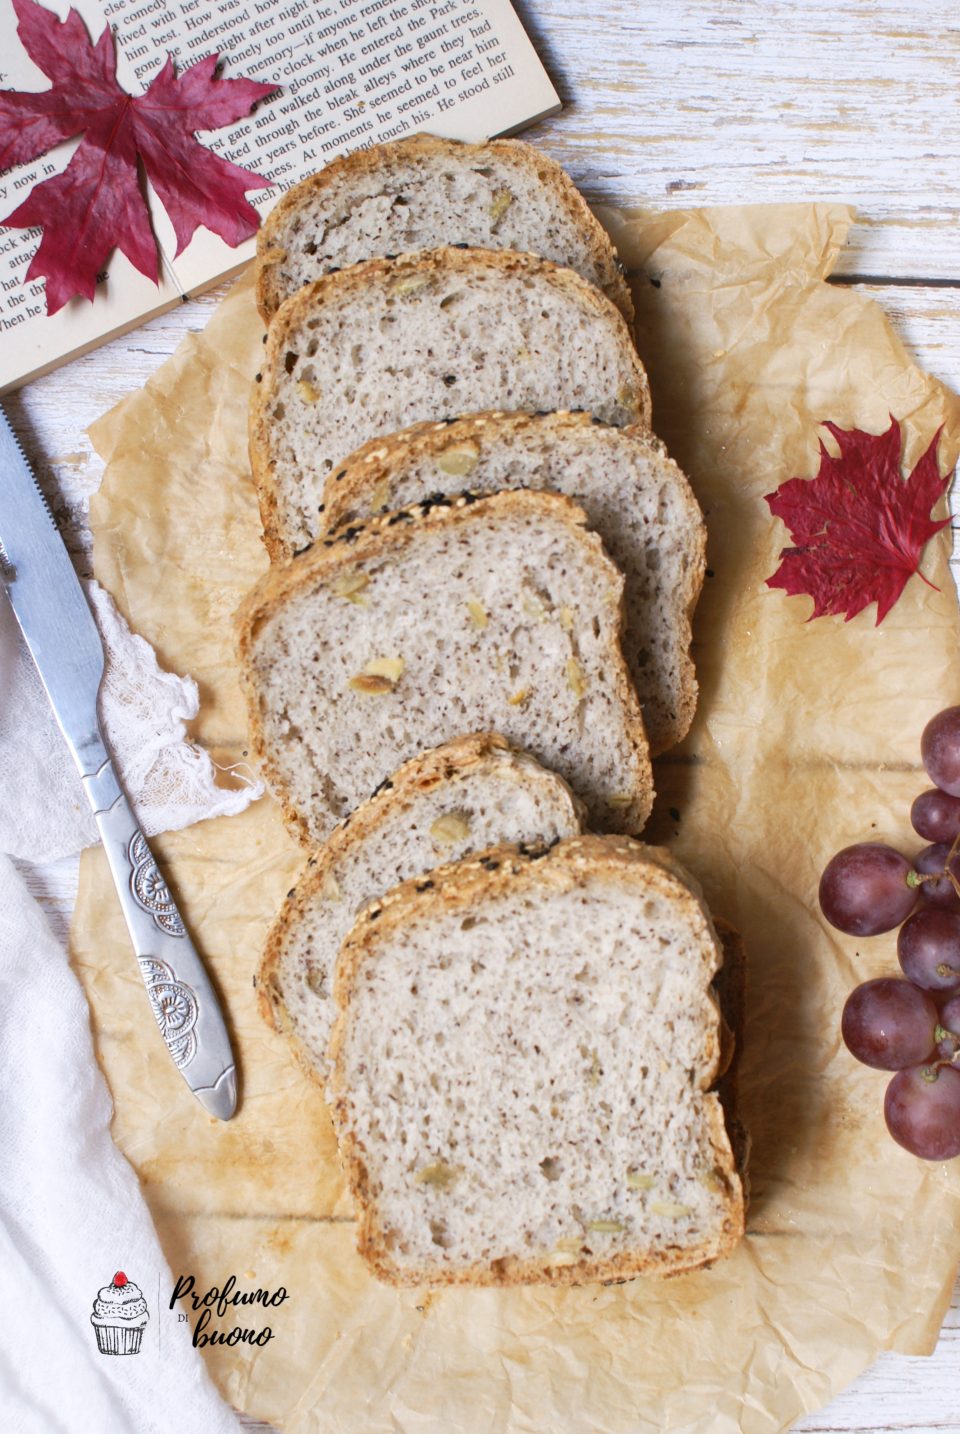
119	1316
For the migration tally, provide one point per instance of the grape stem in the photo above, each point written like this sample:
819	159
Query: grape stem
947	871
916	878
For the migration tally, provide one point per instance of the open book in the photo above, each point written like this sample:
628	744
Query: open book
351	72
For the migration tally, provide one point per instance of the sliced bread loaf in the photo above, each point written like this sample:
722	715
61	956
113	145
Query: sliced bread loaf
523	1062
421	192
460	615
440	806
427	336
633	494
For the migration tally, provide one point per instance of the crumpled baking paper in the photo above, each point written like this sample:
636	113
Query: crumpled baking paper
806	738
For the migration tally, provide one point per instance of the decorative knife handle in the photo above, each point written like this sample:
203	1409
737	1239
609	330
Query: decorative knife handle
183	1000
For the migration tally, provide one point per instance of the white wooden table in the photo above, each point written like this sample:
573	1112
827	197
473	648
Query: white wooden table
694	103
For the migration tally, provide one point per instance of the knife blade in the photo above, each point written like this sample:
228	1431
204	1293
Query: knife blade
64	642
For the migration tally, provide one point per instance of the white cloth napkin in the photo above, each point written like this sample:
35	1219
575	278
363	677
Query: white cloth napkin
71	1215
71	1211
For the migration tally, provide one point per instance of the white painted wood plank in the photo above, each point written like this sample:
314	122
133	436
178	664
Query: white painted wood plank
701	102
927	319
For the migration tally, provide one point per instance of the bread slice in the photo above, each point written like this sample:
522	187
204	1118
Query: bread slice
633	494
523	1062
422	192
440	806
498	614
428	336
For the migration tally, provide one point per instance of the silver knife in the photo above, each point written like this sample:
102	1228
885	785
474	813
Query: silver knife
64	641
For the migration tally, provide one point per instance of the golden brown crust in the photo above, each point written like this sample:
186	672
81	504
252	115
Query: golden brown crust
420	774
730	984
338	287
350	491
484	877
361	542
382	158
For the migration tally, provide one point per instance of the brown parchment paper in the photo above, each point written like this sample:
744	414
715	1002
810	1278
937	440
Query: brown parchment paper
806	739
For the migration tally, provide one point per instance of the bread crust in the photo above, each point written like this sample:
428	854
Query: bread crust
482	877
339	287
424	147
321	563
351	487
421	773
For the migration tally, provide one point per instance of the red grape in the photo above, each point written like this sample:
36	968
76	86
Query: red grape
940	749
889	1024
935	816
863	889
928	945
949	1043
922	1111
940	892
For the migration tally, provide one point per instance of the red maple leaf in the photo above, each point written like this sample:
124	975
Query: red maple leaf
860	527
96	204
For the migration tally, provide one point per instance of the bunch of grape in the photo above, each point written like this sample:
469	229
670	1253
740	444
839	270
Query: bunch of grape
911	1024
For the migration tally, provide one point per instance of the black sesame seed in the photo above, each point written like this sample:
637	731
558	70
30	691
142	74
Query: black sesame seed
305	549
385	786
449	379
655	283
258	377
489	863
374	913
434	500
674	814
424	886
710	573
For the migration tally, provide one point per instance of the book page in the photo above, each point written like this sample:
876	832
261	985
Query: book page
30	340
351	73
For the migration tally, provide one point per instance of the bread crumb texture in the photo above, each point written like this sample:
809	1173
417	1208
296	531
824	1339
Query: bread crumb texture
523	1062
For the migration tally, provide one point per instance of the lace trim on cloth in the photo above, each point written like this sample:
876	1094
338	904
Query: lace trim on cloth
144	710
